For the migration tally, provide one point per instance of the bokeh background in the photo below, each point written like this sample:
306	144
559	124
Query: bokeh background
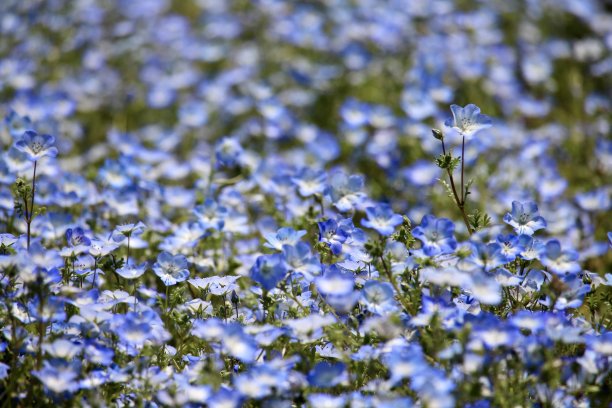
350	84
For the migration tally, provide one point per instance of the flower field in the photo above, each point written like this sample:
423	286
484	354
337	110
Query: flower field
324	203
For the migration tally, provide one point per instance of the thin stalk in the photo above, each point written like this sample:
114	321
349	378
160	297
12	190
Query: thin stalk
28	215
128	250
93	282
460	203
393	283
41	328
462	170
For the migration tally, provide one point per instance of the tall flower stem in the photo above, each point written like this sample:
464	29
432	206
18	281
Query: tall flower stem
459	201
462	171
28	214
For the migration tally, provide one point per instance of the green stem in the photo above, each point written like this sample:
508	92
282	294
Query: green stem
29	214
460	203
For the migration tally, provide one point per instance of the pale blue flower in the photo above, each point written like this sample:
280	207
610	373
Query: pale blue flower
468	120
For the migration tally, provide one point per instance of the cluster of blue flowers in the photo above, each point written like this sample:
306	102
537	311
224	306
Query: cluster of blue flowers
229	203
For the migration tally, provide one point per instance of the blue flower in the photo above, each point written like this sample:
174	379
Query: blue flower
596	200
171	269
284	236
228	152
239	344
487	256
76	237
269	270
572	295
333	235
36	146
513	245
557	260
436	235
346	191
382	219
59	377
379	297
309	182
525	218
4	371
131	271
128	230
211	215
337	288
326	375
300	260
335	282
468	120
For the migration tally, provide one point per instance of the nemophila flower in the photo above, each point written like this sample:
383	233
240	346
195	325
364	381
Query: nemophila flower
531	247
171	269
269	270
436	235
345	191
495	336
128	230
300	259
512	245
524	218
448	276
193	113
327	375
284	236
601	344
101	247
62	348
596	200
468	120
36	146
228	151
379	297
506	278
59	377
225	397
484	287
77	240
309	182
572	295
16	124
212	329
217	285
99	354
132	271
239	344
4	371
355	113
210	215
261	381
332	234
422	173
557	260
6	240
329	401
404	361
487	256
447	314
382	219
335	282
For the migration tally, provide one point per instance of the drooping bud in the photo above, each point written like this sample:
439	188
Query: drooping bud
437	133
234	298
